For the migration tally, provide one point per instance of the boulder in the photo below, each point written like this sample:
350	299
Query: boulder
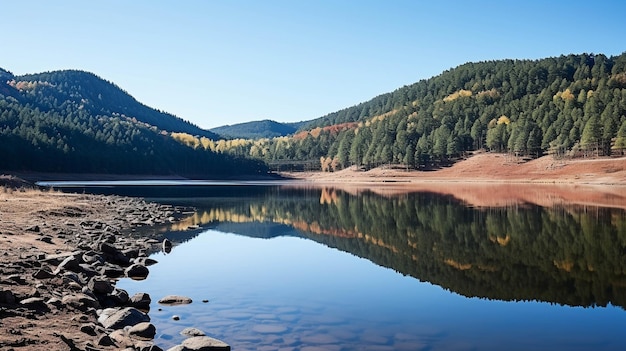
92	257
140	300
137	272
120	296
191	332
105	340
108	249
70	263
37	303
43	274
120	318
121	339
111	271
88	270
80	301
204	343
175	300
89	329
100	286
7	297
144	330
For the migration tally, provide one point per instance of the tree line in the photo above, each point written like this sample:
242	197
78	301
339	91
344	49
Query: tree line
568	106
49	124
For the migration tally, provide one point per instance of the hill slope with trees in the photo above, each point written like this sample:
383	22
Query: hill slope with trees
568	106
75	122
257	129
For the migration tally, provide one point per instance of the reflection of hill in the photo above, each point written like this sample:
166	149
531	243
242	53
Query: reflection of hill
265	230
567	255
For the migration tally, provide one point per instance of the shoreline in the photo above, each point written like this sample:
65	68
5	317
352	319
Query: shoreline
62	256
64	252
490	168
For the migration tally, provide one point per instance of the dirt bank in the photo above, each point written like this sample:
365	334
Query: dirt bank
492	168
495	180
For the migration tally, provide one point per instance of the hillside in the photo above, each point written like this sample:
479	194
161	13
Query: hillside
256	129
569	106
75	122
99	97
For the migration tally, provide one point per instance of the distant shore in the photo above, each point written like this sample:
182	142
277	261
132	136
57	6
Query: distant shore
487	168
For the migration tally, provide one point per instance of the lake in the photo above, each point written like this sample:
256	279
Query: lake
325	268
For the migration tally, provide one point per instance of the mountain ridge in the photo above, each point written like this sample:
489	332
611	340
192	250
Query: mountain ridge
265	128
76	122
104	97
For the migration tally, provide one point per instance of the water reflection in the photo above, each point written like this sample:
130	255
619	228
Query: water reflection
564	254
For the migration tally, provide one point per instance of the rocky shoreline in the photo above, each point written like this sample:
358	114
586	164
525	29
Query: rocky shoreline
62	255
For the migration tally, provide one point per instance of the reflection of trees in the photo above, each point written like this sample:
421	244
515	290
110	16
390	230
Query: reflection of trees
565	255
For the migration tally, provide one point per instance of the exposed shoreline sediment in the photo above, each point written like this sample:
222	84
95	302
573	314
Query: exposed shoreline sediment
61	257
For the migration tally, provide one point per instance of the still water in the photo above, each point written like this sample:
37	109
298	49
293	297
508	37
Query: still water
287	268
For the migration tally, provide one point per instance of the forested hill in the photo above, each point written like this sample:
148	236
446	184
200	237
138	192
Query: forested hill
75	122
99	97
257	129
573	105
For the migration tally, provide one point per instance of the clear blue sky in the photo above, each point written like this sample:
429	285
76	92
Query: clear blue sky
223	62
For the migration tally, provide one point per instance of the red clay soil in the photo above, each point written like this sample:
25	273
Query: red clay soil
494	180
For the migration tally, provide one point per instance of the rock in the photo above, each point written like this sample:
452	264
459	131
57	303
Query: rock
148	347
46	239
7	297
112	271
131	253
177	348
143	330
204	343
100	286
89	329
167	246
121	339
43	274
80	301
37	303
105	340
146	261
53	301
71	276
141	301
120	296
175	300
70	263
191	332
34	229
17	279
108	249
120	318
56	259
137	272
92	257
176	317
88	270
